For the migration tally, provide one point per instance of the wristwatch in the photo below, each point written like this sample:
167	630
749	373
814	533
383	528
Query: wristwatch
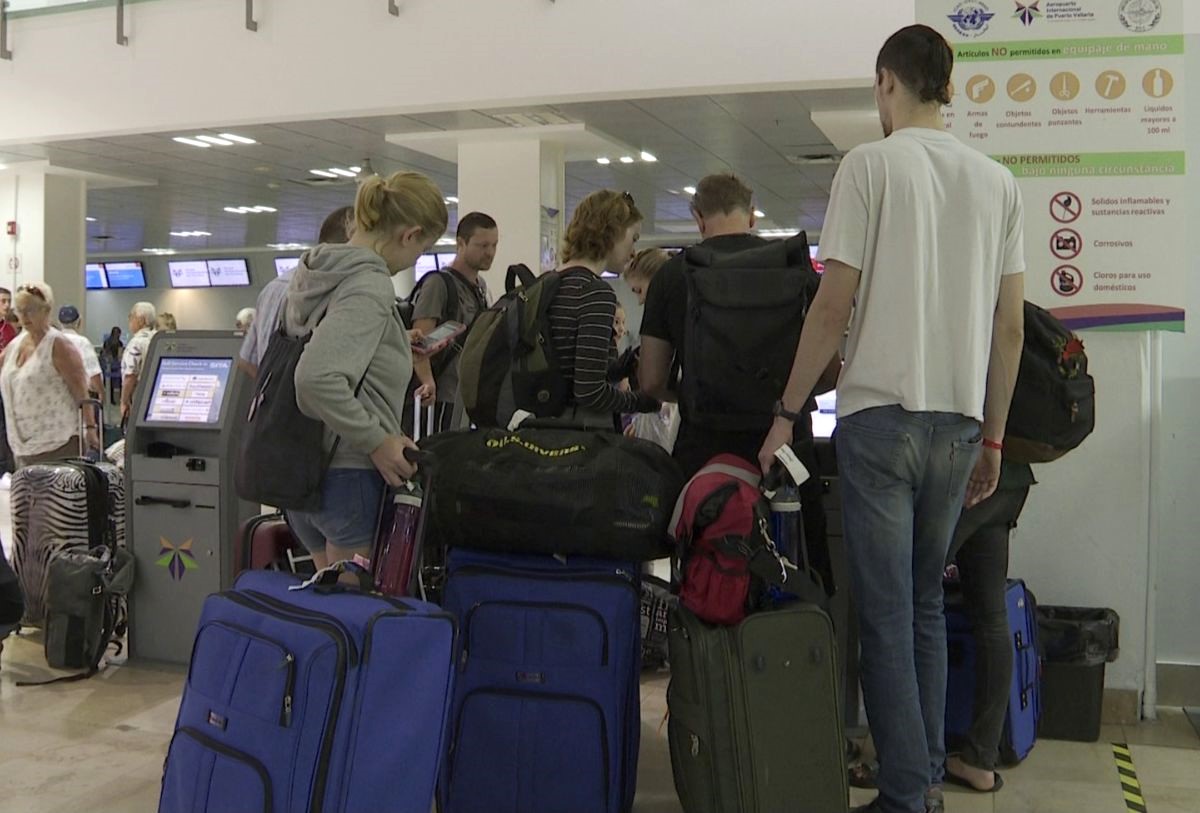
781	411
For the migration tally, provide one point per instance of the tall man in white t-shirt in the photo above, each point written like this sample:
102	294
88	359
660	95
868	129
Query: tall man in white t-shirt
923	246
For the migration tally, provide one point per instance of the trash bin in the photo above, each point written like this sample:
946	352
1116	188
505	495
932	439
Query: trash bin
1076	643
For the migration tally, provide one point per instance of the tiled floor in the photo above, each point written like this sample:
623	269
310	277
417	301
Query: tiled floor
98	746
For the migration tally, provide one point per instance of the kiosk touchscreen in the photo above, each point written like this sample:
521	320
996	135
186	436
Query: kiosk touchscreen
184	513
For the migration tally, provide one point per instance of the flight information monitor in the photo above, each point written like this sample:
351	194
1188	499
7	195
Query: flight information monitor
188	273
125	275
94	277
228	273
285	264
189	390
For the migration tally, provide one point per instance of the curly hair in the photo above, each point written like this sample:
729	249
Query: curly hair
598	225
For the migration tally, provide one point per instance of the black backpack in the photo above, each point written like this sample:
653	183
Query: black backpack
282	458
745	311
1054	403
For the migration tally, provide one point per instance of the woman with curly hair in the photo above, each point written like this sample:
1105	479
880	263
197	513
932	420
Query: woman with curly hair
600	237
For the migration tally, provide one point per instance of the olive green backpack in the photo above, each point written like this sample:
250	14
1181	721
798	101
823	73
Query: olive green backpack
507	362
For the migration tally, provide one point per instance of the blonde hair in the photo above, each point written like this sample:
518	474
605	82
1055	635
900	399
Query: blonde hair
402	200
646	263
598	225
37	291
166	321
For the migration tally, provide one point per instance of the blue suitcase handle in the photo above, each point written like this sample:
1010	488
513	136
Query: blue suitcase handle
328	580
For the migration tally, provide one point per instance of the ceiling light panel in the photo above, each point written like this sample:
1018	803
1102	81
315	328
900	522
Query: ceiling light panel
205	140
249	210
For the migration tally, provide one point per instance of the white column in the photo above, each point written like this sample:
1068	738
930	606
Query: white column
512	181
50	244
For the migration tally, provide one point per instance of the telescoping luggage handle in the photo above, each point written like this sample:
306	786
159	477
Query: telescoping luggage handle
429	416
98	406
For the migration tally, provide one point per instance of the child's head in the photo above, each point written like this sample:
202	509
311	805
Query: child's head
645	264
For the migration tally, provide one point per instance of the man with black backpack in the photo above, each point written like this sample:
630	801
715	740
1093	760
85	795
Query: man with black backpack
457	293
728	386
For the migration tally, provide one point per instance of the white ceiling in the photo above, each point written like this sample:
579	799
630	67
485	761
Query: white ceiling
757	136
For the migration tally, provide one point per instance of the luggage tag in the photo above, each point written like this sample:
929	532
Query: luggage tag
519	417
785	455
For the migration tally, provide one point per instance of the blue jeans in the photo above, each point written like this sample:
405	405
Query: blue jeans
904	476
349	515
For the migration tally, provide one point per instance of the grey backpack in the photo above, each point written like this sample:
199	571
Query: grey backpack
85	606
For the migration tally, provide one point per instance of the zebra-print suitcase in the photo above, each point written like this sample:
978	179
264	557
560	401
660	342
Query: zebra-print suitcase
57	507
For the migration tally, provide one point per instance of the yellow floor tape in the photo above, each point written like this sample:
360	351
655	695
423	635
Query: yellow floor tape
1134	801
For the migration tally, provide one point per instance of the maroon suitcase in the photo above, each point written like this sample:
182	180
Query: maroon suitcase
266	542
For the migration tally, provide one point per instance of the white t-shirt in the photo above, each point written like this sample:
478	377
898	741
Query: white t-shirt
87	352
933	225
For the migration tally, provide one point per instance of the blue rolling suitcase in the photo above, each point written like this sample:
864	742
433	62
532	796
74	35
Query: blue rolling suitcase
1025	701
546	715
322	699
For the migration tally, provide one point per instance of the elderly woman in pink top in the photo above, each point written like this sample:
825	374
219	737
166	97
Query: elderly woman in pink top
43	383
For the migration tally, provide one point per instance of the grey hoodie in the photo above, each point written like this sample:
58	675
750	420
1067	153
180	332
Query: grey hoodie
344	295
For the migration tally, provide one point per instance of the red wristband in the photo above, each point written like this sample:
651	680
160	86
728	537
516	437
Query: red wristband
993	444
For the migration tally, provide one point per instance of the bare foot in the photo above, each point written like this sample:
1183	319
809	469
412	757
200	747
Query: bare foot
978	778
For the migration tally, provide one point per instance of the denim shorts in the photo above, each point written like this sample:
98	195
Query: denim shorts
350	501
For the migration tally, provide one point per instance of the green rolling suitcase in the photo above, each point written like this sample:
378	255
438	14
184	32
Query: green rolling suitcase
755	720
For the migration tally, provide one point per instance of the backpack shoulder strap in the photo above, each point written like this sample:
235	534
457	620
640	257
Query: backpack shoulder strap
518	274
450	310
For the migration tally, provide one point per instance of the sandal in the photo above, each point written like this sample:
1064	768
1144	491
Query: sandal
864	774
954	779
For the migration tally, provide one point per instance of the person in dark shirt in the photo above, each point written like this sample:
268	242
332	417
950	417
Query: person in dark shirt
980	549
723	208
600	237
724	212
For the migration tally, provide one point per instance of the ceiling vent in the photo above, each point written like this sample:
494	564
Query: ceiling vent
815	158
530	118
325	183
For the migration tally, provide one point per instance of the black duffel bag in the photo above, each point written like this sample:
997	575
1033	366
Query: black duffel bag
553	491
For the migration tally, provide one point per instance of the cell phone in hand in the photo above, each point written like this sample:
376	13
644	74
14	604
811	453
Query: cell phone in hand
439	338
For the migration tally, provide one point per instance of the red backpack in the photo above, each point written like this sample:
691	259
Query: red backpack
722	530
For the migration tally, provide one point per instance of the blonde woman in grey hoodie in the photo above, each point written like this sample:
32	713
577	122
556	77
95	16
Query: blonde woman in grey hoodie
354	373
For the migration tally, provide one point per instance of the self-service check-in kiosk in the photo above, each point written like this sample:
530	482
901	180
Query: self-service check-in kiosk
182	509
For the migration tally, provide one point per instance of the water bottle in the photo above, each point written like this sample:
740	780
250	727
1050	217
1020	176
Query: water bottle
397	544
787	531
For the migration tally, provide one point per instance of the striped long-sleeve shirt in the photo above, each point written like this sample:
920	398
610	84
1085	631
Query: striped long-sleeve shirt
581	330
